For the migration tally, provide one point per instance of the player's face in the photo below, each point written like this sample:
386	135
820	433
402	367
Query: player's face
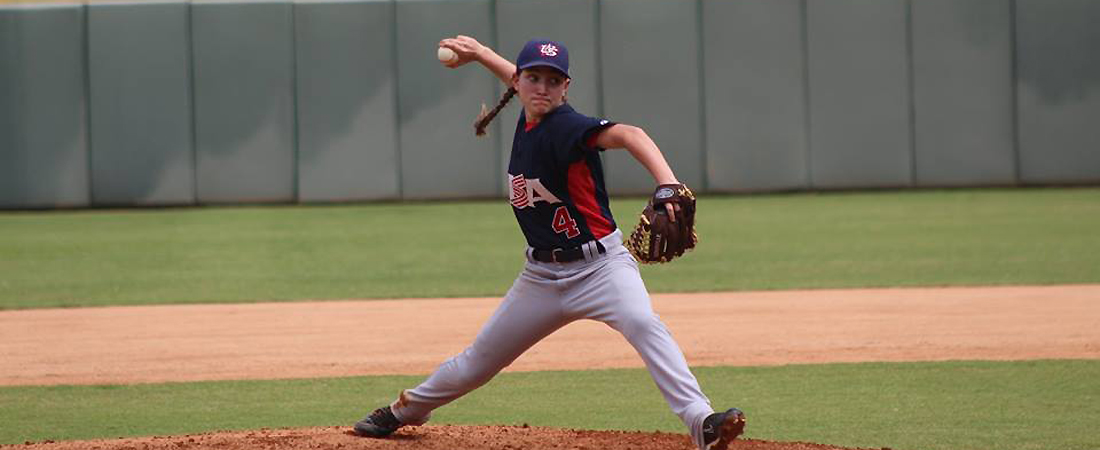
541	89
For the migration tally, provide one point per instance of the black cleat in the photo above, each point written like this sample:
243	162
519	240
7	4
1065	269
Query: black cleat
378	424
719	429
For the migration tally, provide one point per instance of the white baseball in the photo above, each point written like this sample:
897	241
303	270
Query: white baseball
446	55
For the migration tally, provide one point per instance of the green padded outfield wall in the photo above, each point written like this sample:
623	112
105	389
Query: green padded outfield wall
244	101
572	22
651	79
140	111
859	94
962	85
347	101
1058	88
440	156
43	135
755	76
215	101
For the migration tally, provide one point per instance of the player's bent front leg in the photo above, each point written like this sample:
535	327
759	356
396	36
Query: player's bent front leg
530	311
627	308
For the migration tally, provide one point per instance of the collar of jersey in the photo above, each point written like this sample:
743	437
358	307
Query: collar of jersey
528	126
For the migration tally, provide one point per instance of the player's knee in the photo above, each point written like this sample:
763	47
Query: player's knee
639	324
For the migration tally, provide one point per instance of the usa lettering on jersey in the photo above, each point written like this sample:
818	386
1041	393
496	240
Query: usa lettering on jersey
527	192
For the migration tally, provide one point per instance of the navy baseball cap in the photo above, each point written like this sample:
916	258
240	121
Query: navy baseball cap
543	52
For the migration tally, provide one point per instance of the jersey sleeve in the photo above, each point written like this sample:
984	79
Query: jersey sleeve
573	136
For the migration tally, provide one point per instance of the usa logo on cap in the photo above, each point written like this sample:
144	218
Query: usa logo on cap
542	52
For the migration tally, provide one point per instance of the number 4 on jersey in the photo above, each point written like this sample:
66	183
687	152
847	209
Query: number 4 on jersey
564	223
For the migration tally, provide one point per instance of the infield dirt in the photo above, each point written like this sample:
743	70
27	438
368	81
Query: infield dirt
142	344
295	340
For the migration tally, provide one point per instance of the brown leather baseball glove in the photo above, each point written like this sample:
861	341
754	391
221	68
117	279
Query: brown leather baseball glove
659	238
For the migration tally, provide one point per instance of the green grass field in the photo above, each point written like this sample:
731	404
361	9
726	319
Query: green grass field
1033	405
243	254
924	238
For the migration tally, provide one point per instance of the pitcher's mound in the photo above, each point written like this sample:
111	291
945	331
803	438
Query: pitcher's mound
443	437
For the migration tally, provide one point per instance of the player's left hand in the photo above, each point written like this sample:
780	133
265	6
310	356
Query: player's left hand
670	209
666	228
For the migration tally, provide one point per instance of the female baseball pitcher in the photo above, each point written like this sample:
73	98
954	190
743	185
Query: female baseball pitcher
577	265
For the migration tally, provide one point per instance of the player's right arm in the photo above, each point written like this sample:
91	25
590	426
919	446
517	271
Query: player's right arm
469	49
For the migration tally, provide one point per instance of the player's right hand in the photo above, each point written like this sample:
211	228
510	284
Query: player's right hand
467	48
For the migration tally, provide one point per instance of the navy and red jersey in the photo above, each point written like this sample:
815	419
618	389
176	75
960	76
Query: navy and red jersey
557	181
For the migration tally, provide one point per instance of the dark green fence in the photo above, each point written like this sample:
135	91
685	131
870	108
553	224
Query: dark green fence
166	103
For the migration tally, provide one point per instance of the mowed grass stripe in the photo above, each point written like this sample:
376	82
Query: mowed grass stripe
451	249
1027	405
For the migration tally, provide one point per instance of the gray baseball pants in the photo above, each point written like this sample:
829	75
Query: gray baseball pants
547	296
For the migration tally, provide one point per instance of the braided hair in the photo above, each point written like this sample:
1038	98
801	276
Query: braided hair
487	116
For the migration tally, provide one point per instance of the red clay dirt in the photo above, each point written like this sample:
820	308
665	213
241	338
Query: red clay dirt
446	437
321	339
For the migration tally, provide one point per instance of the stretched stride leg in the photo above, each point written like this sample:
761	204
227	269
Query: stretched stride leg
529	312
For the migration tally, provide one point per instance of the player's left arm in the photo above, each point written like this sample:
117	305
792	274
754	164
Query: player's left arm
642	148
